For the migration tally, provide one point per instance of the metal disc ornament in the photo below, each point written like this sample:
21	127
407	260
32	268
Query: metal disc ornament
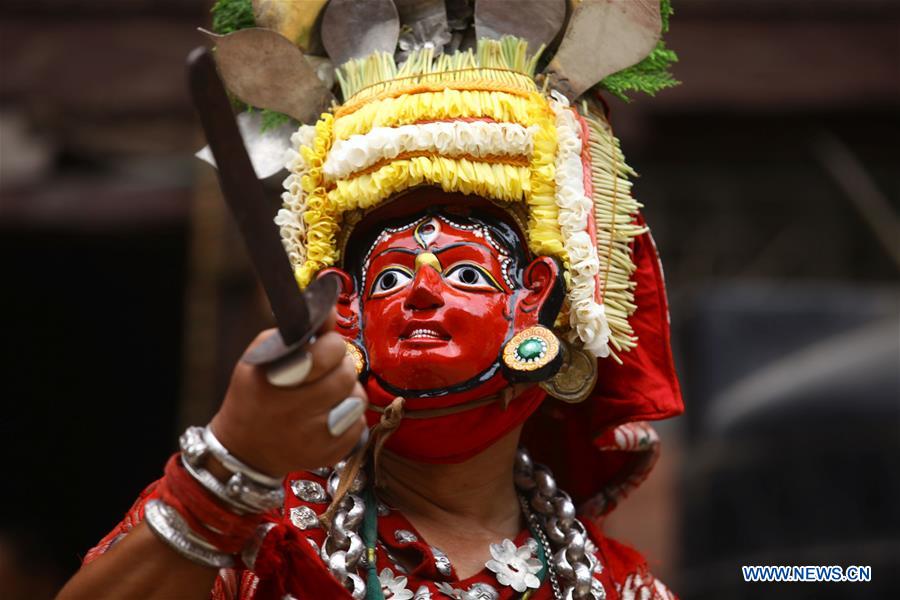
576	378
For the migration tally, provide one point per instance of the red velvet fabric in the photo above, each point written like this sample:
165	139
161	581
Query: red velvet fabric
288	564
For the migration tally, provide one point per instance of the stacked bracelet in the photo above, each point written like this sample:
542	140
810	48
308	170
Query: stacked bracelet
233	464
246	491
204	519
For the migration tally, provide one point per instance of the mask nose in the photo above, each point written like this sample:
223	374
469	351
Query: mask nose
425	291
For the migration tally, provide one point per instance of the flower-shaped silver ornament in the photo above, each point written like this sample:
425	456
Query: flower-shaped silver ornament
394	588
515	567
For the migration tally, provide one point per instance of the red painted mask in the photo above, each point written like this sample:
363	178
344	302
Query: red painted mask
432	304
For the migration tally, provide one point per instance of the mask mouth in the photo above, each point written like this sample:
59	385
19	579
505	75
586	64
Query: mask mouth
424	332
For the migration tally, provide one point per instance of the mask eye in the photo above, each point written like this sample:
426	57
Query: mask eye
389	281
471	277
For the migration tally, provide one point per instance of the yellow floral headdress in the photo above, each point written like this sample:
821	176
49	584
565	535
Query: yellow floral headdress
477	122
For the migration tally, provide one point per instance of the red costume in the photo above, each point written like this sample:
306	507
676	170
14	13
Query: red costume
486	241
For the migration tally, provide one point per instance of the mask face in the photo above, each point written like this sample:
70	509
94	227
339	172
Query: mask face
436	306
433	303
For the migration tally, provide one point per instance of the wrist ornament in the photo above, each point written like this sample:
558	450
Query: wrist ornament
194	522
203	518
246	491
170	527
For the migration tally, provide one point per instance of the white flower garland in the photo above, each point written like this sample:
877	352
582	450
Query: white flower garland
456	138
290	217
586	316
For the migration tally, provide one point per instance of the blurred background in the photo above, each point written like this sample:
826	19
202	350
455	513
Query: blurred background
770	178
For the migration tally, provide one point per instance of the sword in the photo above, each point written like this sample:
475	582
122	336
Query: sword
298	314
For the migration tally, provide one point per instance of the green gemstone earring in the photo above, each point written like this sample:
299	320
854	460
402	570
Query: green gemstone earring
532	355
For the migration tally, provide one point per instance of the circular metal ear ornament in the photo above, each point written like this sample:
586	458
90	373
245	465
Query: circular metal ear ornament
576	378
532	355
359	359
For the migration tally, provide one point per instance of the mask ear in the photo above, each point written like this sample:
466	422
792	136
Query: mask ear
533	352
347	323
542	298
347	304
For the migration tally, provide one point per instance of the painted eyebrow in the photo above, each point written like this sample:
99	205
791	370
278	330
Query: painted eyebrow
400	250
458	245
435	251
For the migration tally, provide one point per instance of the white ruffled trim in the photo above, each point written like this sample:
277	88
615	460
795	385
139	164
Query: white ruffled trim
586	316
455	138
290	217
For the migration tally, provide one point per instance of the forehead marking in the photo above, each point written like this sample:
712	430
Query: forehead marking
425	235
426	232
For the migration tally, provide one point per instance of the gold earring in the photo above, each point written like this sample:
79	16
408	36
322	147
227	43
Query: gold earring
576	378
532	355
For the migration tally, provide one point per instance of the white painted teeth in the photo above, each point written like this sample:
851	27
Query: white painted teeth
424	333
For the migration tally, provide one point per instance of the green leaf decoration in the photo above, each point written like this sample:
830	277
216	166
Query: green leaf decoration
232	15
651	74
273	120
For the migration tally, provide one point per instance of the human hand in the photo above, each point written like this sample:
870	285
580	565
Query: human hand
282	429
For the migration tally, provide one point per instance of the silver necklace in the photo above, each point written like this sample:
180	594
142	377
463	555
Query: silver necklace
549	511
535	526
554	511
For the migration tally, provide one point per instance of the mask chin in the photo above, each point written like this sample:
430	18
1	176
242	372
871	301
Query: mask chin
459	435
475	387
453	424
381	394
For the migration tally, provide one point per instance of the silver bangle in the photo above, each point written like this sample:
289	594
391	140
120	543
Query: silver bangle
258	498
212	484
236	466
241	493
170	527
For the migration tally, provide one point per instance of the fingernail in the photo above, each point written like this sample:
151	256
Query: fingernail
290	371
344	415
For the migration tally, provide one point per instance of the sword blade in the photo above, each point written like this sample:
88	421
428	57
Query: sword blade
246	198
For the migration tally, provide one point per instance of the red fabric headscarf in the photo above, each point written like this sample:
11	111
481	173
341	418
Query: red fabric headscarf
573	439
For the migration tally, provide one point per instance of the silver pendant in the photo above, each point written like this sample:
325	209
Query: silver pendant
303	517
477	591
483	591
404	536
441	562
309	491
